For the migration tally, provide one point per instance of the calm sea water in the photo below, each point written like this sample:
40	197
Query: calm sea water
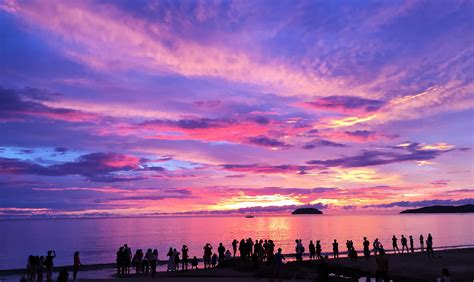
98	239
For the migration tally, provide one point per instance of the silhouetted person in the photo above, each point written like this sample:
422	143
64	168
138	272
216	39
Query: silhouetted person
185	257
194	263
234	246
429	245
382	266
319	250
445	275
171	260
176	259
76	264
404	242
395	244
376	245
40	269
422	243
63	275
353	253
214	260
312	250
366	245
153	260
127	258
31	268
412	248
137	260
299	250
207	255
335	248
323	270
221	251
278	262
49	264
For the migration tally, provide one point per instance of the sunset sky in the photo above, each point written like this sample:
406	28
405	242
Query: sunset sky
217	107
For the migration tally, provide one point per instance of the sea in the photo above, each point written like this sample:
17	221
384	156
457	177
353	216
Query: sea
98	239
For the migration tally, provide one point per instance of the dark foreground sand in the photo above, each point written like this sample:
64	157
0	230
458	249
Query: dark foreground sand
402	267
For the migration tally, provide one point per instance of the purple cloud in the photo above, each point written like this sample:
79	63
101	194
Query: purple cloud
346	104
373	158
98	167
267	142
322	143
407	204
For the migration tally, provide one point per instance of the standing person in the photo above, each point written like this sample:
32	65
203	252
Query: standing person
76	264
40	269
185	257
176	259
429	245
422	243
412	249
395	244
171	258
312	250
194	263
49	264
153	260
127	258
234	246
221	251
404	243
299	250
335	248
319	250
366	244
376	245
278	261
207	255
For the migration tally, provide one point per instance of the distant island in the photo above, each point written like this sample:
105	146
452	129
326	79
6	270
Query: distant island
307	211
442	209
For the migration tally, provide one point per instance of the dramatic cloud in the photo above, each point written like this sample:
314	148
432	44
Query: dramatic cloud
259	99
99	167
267	142
345	104
322	143
21	105
416	152
408	204
268	169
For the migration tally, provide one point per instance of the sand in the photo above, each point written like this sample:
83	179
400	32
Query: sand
402	267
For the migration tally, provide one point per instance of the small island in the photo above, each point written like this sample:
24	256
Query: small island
307	211
442	209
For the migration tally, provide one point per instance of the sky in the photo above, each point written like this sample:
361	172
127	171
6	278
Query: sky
119	108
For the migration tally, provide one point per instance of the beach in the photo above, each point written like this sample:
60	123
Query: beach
402	267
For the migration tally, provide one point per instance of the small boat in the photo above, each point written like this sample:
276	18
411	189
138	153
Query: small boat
249	216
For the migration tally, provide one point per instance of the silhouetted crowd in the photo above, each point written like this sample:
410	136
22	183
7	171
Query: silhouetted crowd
258	253
39	266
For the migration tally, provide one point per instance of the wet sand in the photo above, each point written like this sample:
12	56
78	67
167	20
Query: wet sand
402	267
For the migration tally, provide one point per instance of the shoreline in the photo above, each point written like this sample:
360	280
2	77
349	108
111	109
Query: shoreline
291	256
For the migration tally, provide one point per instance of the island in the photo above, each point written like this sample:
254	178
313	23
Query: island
307	211
442	209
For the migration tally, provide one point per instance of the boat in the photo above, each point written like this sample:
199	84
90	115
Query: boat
249	216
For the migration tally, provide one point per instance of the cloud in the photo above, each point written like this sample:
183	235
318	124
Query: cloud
268	169
98	167
267	142
416	152
346	104
260	209
20	105
322	143
408	204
